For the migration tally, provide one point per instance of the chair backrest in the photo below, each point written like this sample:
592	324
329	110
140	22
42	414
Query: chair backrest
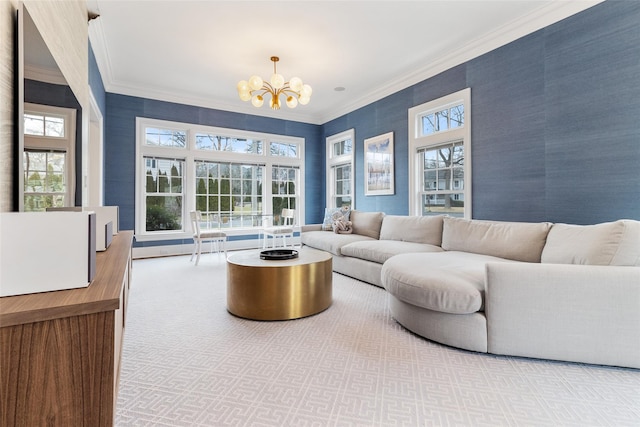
289	216
196	217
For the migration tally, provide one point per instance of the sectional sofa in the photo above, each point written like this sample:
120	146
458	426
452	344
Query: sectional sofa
543	290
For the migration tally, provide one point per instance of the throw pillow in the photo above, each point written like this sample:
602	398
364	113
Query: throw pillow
340	224
327	223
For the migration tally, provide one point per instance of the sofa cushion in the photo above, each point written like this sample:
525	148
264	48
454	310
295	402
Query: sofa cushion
450	282
327	222
381	250
419	229
329	241
520	241
609	243
367	223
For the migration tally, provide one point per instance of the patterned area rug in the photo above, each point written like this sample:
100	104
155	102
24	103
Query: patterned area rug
188	362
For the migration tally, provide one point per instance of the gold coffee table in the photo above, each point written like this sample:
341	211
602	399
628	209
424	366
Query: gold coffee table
279	290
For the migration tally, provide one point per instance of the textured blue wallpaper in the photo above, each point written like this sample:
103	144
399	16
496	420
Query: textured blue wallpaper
555	129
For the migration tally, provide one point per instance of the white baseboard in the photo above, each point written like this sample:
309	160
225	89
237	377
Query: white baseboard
175	250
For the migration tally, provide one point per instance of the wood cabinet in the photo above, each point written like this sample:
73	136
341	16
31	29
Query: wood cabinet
60	351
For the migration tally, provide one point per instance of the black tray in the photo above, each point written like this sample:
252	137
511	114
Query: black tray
278	254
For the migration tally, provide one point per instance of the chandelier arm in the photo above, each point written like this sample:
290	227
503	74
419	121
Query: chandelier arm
263	89
267	86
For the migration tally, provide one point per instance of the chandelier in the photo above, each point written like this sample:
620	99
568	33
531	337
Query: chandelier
255	90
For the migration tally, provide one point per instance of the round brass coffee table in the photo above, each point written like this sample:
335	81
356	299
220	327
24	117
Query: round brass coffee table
279	290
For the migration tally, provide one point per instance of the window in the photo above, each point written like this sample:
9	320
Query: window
48	157
439	150
44	183
340	167
442	189
165	138
281	149
44	125
205	141
439	121
284	190
235	178
163	193
229	193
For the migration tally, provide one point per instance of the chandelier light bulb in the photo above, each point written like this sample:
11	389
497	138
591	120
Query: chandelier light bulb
257	101
243	86
256	82
295	84
306	91
277	81
304	100
294	91
292	102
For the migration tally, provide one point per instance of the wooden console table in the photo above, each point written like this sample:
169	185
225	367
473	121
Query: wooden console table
60	351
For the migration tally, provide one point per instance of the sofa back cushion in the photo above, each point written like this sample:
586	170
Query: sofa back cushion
609	243
418	229
519	241
367	223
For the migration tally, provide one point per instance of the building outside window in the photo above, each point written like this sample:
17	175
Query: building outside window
237	179
340	184
439	150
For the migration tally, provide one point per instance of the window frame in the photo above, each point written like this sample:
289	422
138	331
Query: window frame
334	161
190	154
418	142
65	144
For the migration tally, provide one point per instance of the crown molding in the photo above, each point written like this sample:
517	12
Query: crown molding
528	24
191	100
541	17
101	53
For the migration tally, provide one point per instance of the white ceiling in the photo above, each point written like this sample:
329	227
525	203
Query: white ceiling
195	52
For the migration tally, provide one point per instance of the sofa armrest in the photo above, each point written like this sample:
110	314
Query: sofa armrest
582	313
311	227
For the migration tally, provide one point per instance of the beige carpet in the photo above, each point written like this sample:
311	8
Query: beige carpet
188	362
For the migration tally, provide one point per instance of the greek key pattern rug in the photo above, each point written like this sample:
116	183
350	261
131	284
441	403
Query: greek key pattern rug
188	362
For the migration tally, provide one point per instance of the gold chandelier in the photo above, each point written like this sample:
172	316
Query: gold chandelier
255	90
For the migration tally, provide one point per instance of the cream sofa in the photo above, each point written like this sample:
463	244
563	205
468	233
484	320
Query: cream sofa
553	291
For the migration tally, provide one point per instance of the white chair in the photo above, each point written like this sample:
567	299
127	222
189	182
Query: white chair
217	238
283	231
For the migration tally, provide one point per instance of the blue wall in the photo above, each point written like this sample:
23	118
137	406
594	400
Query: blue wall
555	129
555	123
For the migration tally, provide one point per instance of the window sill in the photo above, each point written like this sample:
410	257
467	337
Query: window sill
179	235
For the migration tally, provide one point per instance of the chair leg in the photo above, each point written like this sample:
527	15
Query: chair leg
193	253
199	251
221	247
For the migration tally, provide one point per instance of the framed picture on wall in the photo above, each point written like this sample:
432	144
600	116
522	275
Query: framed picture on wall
378	165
